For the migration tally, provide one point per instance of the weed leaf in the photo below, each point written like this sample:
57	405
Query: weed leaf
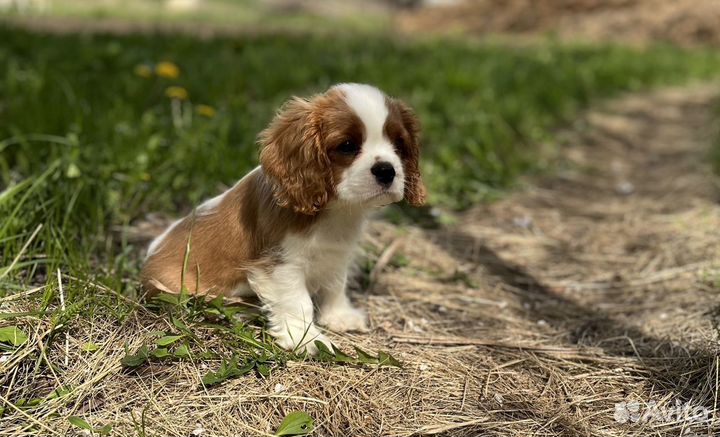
263	369
90	347
79	422
161	352
342	357
182	351
385	359
170	298
137	359
168	340
365	357
228	369
324	353
296	423
12	335
58	393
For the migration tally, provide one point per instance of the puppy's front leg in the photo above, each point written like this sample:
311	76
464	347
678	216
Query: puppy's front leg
286	300
336	311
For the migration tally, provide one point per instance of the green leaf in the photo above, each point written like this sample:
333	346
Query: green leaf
79	422
228	369
217	302
105	430
58	393
161	352
90	347
33	402
137	359
365	357
181	326
296	423
182	351
324	353
170	298
385	359
212	378
212	312
218	306
168	340
263	369
342	357
12	335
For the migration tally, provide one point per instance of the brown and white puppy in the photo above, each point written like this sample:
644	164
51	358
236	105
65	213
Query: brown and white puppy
288	229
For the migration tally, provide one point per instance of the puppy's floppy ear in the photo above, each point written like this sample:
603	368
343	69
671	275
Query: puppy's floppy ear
415	192
293	158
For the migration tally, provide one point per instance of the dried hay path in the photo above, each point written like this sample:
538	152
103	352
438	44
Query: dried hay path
586	289
534	315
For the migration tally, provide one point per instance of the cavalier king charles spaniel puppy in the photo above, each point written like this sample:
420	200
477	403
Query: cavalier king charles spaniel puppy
288	229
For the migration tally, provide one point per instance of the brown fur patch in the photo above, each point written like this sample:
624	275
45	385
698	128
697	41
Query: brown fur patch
241	233
402	127
298	150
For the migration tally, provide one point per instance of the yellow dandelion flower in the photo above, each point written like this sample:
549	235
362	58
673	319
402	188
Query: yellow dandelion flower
167	70
206	111
176	92
142	70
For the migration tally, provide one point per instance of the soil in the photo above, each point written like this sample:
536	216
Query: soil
682	22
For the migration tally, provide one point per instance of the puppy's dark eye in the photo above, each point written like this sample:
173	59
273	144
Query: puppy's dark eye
349	148
399	143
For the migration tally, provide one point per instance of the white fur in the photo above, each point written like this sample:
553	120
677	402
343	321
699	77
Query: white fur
357	183
368	103
314	264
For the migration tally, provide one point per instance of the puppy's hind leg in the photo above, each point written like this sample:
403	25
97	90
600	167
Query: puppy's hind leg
286	300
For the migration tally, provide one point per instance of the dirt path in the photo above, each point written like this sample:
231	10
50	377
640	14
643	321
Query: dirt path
623	21
590	288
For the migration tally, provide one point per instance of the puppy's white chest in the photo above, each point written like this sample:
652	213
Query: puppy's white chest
317	250
323	253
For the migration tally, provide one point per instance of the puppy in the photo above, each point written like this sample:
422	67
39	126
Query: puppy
287	230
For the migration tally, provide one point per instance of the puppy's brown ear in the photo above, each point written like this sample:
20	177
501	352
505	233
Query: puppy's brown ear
415	192
293	158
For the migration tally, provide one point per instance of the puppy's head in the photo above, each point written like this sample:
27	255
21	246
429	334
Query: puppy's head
351	145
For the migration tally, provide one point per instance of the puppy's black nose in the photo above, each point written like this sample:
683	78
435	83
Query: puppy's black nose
384	173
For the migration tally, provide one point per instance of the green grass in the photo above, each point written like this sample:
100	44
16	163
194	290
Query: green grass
236	15
87	146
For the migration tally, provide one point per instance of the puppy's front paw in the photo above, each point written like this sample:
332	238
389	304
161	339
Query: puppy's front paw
301	339
343	319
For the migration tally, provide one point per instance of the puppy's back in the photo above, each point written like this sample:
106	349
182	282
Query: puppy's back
227	236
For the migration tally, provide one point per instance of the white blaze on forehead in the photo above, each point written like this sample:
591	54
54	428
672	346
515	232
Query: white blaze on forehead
368	103
358	184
